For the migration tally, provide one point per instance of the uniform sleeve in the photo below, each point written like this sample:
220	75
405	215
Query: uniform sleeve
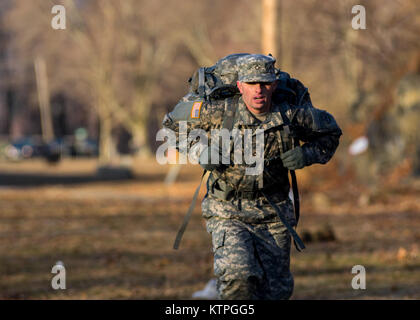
319	131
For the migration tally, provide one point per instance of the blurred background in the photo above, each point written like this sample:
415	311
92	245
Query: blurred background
79	112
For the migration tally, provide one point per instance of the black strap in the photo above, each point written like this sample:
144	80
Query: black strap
188	215
295	143
296	200
297	240
201	78
302	96
287	141
286	134
228	118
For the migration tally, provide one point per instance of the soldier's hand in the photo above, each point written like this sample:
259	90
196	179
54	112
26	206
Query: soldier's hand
293	159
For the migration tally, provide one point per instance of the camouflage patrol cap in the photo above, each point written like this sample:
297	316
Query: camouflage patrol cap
256	68
226	68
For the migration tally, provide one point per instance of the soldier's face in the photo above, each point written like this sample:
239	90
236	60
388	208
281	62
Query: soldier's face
257	95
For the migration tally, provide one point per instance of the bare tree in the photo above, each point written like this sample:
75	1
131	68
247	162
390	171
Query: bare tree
124	59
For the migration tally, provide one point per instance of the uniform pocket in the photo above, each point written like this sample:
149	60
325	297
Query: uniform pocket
280	235
218	239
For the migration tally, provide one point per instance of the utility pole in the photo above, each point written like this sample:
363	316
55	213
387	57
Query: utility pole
44	99
268	27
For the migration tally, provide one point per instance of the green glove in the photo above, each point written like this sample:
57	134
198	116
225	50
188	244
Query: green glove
294	159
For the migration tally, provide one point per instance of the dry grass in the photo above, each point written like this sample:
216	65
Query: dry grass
115	237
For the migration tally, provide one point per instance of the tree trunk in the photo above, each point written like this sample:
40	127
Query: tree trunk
44	99
105	139
268	27
140	141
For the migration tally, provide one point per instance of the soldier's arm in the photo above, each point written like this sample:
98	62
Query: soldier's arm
319	131
186	112
183	119
191	121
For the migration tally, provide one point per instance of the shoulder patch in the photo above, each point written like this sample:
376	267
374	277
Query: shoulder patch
183	111
196	109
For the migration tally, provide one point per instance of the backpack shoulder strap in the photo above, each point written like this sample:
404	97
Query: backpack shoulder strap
188	215
231	104
287	136
201	80
229	115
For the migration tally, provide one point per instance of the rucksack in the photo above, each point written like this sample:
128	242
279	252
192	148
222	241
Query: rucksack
218	82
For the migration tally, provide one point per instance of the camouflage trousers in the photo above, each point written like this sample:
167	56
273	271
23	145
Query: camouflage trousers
251	259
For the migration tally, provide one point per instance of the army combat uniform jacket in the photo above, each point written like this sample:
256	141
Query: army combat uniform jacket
285	124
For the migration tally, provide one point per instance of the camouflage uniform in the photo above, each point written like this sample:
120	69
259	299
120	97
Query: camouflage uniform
251	245
251	260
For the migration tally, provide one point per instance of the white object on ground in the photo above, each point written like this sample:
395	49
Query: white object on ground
209	291
359	146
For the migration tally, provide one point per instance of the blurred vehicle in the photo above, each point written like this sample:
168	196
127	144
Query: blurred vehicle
81	145
33	147
24	148
85	148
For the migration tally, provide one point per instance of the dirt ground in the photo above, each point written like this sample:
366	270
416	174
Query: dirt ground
115	237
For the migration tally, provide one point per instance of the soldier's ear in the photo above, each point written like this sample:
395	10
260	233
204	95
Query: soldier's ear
239	85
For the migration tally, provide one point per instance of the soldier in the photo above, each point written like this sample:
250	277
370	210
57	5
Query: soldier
251	217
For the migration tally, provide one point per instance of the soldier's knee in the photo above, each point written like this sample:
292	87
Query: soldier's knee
245	288
283	294
283	289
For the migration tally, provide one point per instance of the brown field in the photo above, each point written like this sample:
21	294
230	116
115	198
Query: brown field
115	237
